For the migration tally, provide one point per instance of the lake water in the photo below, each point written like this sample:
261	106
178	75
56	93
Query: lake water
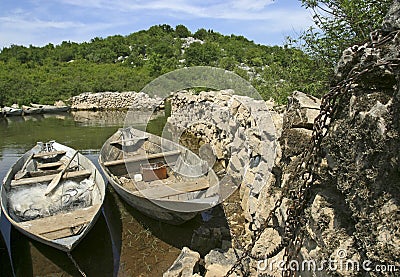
123	242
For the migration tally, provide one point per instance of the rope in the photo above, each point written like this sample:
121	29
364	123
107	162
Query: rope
76	264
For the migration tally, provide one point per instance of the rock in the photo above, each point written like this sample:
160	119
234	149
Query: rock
301	111
189	40
60	103
391	21
267	243
294	141
185	265
354	203
218	262
204	239
364	146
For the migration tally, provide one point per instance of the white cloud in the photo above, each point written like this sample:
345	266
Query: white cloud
232	9
25	23
77	20
26	30
254	5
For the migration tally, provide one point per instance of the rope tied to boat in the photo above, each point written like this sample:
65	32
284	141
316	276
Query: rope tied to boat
76	264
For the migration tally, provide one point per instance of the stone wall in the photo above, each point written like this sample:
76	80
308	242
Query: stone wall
239	133
115	101
287	132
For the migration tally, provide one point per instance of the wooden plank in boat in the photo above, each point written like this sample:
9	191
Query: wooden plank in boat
48	178
143	158
45	154
45	172
162	191
49	165
60	225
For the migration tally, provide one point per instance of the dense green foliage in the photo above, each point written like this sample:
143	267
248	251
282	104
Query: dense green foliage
341	23
122	63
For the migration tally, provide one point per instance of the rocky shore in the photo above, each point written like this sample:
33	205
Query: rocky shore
332	225
287	129
352	212
115	101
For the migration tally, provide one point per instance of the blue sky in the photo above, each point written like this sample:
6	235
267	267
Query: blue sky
39	22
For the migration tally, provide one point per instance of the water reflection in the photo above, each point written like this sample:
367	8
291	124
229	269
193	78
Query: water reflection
5	249
32	258
123	241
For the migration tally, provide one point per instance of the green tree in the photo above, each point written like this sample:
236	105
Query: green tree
118	63
202	54
341	24
182	32
201	34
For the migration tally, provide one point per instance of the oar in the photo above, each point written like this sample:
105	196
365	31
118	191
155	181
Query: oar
20	174
57	179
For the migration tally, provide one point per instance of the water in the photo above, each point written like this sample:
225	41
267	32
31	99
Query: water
123	242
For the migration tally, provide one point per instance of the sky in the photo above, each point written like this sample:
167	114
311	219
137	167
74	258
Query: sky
39	22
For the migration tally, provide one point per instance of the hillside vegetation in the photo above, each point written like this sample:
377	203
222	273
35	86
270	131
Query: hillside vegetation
128	63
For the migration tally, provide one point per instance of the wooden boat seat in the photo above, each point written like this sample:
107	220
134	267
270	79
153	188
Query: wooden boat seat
46	154
49	165
166	190
61	225
143	158
48	178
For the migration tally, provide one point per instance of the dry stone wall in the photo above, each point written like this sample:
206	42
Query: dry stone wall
240	132
115	101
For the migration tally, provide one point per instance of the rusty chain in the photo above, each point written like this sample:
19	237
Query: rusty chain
306	168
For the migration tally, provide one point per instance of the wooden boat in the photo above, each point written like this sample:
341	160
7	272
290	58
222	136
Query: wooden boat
9	111
51	108
189	187
59	216
31	110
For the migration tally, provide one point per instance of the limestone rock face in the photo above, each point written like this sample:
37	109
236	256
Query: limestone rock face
392	19
364	147
301	111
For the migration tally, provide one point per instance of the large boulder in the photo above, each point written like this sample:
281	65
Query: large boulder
363	147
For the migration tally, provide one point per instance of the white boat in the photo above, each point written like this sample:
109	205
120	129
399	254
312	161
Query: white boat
51	108
9	111
53	194
162	179
31	110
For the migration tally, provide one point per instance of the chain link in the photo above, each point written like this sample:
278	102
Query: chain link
298	197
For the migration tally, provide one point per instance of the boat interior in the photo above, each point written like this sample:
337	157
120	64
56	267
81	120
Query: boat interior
150	166
68	208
